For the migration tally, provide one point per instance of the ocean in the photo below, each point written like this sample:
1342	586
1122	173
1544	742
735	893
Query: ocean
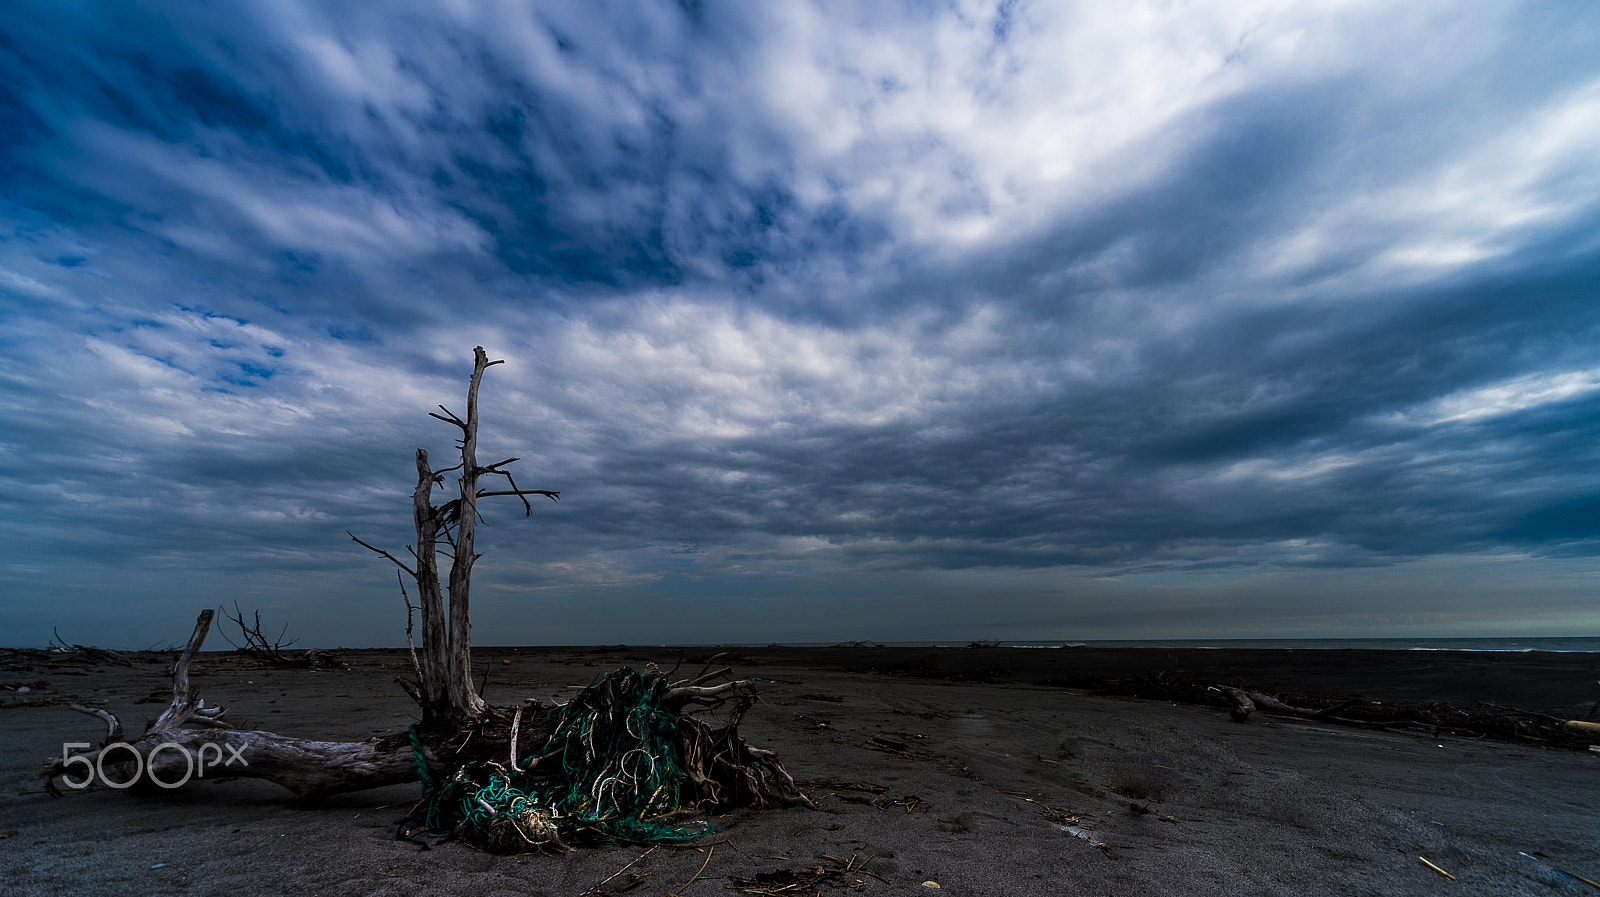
1577	645
1566	644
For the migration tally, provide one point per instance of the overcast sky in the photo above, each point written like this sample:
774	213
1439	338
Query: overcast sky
829	321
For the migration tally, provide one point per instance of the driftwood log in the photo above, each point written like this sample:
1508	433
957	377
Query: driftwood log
192	741
1242	703
1431	718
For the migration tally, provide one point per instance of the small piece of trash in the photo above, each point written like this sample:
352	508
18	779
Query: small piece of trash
40	868
930	884
1430	865
158	865
24	690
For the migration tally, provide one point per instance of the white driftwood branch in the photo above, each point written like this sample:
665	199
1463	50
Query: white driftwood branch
113	725
683	695
170	753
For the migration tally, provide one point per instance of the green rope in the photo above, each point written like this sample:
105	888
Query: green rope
619	777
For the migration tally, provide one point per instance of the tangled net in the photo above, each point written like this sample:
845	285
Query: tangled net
611	771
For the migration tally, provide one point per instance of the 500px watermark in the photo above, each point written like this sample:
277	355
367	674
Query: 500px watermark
145	768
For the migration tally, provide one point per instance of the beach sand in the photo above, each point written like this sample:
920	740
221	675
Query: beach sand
970	775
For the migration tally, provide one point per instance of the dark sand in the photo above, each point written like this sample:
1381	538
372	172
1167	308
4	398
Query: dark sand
1265	807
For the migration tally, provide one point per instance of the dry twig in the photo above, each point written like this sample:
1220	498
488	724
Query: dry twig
709	851
1436	868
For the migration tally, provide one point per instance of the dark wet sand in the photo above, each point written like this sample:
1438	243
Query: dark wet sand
1179	799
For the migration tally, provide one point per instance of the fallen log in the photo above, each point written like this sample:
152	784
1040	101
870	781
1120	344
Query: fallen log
191	741
1242	703
1583	727
1273	705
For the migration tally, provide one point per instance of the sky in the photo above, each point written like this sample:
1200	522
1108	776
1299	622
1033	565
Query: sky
829	321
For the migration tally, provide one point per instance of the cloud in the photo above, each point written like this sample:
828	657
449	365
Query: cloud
804	301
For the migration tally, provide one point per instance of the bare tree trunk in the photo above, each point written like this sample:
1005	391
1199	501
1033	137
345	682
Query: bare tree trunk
446	692
434	663
464	699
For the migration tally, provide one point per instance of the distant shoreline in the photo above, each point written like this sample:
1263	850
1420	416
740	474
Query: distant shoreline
1565	681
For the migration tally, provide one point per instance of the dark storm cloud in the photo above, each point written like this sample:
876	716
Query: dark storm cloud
1050	314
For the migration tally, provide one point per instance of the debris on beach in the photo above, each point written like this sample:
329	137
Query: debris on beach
1483	720
787	882
264	651
59	647
1430	865
617	766
1584	727
879	800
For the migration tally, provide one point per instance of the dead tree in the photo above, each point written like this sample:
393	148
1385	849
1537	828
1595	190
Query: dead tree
445	691
271	651
256	643
458	729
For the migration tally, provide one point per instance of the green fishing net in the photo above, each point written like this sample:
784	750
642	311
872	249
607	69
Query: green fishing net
610	771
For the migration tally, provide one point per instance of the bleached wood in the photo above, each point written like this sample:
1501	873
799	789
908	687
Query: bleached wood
173	753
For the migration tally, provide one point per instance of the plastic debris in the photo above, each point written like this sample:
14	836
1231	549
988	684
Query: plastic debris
622	770
787	882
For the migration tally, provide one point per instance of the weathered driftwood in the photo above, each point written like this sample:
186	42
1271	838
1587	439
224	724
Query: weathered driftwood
1583	727
190	741
1242	707
87	652
1243	703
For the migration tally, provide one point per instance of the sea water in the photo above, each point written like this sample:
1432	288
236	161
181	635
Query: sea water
1581	645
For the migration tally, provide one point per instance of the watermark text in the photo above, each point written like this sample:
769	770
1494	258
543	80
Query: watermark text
144	767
